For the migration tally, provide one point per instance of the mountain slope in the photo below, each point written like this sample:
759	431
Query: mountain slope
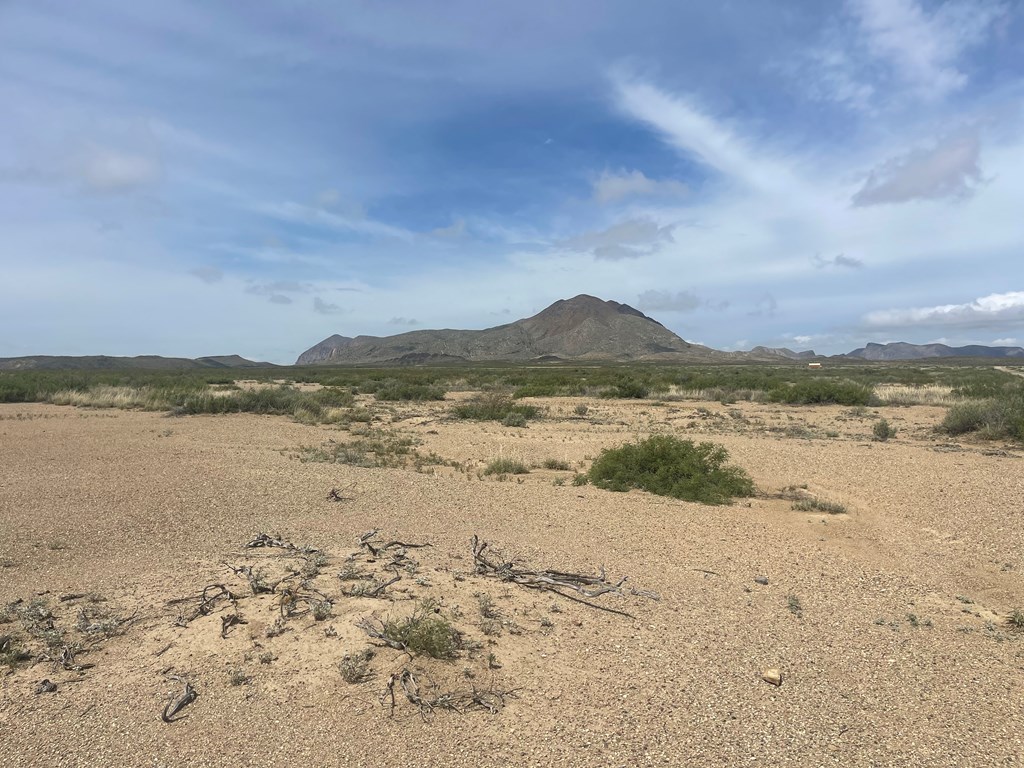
141	362
581	328
900	350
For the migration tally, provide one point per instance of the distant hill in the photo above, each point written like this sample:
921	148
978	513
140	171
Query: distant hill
581	328
900	350
789	354
141	362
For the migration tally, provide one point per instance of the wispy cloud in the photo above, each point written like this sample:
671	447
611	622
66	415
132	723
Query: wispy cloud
403	321
924	48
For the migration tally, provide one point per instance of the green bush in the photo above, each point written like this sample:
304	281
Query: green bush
669	466
397	390
494	407
627	389
425	633
883	430
506	466
823	392
1001	418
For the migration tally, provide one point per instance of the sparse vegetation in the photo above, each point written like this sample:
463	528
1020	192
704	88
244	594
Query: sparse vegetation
794	605
999	418
494	407
883	430
425	633
506	466
1016	619
556	464
355	667
819	505
670	466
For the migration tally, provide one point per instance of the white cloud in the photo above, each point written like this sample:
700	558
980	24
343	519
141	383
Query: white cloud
713	143
949	169
629	239
922	48
992	311
112	171
278	298
403	321
612	187
1010	341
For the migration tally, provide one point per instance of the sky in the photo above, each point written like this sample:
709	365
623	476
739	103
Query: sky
196	178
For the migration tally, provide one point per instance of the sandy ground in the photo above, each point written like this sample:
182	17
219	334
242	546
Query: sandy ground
899	654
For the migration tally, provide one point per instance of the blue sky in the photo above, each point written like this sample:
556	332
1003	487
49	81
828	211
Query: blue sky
193	178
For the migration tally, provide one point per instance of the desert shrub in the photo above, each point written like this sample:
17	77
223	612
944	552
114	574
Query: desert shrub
819	505
399	390
579	479
822	392
493	406
627	389
581	410
355	667
514	419
555	464
995	419
883	430
669	466
425	633
506	466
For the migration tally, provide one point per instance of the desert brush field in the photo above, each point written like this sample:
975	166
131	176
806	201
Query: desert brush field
361	580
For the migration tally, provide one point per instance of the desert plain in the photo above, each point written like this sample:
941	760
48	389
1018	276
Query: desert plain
888	622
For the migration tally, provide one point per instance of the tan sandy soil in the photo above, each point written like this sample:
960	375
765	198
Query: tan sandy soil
900	655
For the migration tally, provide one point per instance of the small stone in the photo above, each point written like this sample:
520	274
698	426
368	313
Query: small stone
763	580
772	677
46	686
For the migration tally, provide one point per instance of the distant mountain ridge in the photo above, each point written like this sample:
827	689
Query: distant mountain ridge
581	328
901	350
141	362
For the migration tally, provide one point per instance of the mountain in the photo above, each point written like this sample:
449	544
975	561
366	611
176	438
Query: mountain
141	362
581	328
900	350
785	352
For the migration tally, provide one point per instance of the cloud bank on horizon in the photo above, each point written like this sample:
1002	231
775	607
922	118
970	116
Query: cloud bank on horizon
196	178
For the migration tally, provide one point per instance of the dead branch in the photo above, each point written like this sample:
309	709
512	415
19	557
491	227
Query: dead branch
339	494
377	633
256	582
493	564
227	622
175	705
265	540
207	601
426	696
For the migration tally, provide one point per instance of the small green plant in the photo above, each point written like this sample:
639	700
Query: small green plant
506	466
355	667
819	505
514	419
267	657
1016	619
555	464
794	605
581	410
488	609
580	479
323	610
668	466
425	633
312	565
883	430
558	481
239	677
